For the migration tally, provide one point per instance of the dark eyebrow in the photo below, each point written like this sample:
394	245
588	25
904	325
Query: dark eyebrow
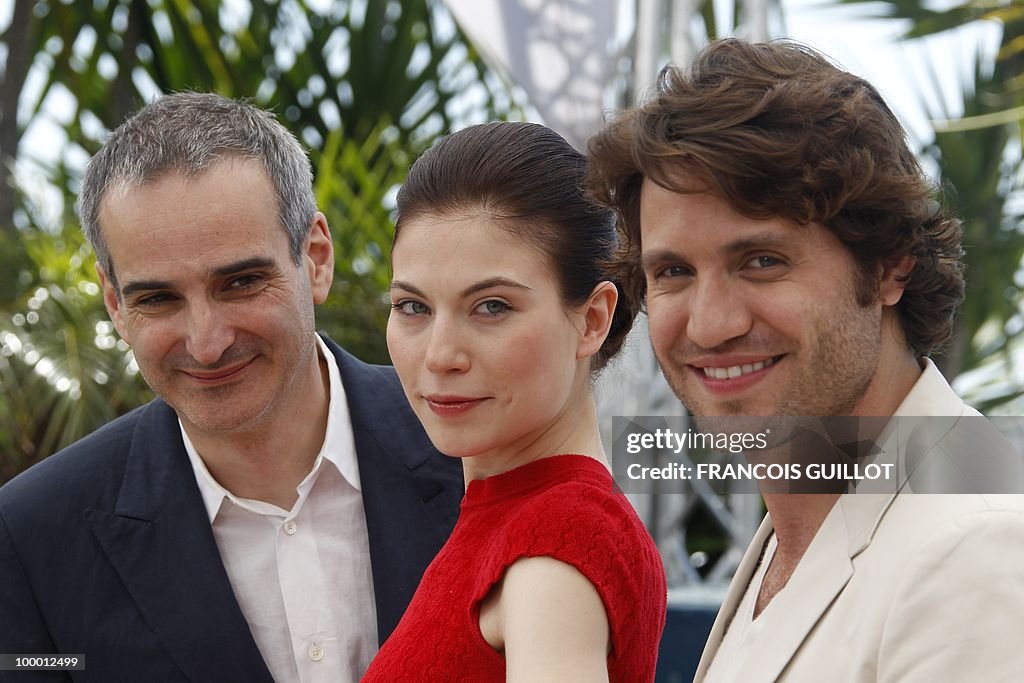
761	240
144	286
650	259
220	271
398	284
472	289
492	282
245	264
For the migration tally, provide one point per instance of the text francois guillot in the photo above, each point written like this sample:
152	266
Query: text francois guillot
666	439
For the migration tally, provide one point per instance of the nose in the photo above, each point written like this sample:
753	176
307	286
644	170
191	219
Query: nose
446	348
208	335
718	313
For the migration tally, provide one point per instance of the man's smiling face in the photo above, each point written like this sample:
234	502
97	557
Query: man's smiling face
755	317
218	315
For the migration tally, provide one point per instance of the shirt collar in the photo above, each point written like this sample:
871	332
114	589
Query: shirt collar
339	443
338	447
930	395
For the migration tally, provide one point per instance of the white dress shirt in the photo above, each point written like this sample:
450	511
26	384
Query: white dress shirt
302	576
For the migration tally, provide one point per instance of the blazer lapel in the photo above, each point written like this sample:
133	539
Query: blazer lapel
737	587
821	576
159	540
823	572
411	493
827	566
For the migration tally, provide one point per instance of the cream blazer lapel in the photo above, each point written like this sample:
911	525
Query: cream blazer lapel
828	565
821	575
737	587
823	572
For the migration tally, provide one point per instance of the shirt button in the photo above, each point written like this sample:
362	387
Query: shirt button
290	527
316	653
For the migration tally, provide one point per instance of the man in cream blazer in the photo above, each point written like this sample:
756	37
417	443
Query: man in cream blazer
915	585
794	262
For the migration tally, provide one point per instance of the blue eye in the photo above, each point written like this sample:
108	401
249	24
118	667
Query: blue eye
493	307
765	262
410	307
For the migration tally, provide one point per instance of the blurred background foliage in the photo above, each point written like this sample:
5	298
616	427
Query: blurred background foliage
977	149
365	85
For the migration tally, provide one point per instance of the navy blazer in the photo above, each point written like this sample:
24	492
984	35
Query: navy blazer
106	548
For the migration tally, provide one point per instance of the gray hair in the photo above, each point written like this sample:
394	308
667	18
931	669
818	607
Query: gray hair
188	133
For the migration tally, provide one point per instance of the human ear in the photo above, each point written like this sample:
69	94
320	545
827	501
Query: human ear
319	255
894	280
112	302
597	315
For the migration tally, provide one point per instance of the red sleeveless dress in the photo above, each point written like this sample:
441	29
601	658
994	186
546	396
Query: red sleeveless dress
565	507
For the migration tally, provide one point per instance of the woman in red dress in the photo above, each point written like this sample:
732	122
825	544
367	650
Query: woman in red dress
502	313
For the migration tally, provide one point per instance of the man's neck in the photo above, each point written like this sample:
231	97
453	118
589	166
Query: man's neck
268	462
898	370
796	519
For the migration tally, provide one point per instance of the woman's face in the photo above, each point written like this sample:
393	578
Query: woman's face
485	348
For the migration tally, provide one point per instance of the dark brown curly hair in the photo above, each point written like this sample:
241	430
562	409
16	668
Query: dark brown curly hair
775	129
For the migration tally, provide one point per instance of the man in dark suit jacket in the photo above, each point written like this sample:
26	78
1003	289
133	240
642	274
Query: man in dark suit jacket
158	546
